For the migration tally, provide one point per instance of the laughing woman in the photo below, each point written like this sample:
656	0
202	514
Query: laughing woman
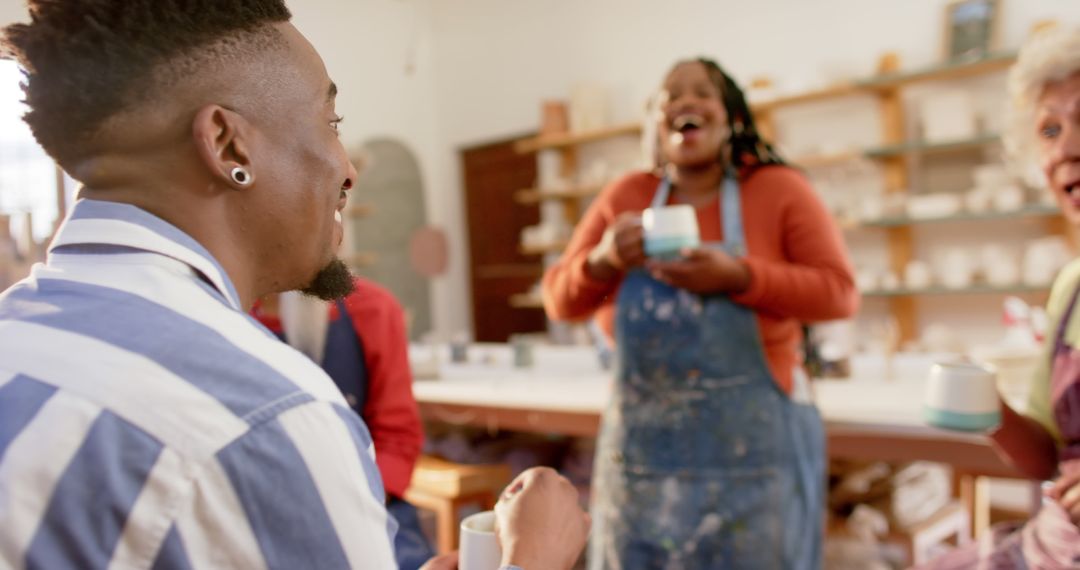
711	453
1044	443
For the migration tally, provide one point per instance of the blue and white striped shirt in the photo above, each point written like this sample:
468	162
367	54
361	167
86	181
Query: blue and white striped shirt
146	421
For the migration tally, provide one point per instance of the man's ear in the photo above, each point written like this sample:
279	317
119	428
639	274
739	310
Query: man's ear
223	141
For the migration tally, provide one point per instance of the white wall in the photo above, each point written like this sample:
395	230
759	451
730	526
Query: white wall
12	11
496	60
366	45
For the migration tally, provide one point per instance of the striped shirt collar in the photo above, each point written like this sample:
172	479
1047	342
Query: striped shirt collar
96	222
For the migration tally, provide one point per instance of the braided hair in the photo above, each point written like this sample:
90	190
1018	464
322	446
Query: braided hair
87	60
748	150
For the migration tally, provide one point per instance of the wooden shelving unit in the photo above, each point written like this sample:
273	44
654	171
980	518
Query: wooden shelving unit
896	150
570	140
921	147
535	196
894	155
361	259
943	72
877	84
555	247
572	198
825	160
840	90
526	301
1031	211
359	210
973	290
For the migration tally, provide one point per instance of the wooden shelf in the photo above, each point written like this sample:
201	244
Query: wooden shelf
362	259
1032	211
870	85
359	210
888	151
931	148
563	140
867	86
826	160
526	301
942	72
528	270
556	247
975	290
534	196
840	90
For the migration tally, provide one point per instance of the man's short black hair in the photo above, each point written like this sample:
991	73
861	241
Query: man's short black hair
86	60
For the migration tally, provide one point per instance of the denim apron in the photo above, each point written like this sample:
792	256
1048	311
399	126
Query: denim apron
344	362
702	461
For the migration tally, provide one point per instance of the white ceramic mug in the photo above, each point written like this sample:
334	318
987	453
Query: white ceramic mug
479	548
962	396
668	229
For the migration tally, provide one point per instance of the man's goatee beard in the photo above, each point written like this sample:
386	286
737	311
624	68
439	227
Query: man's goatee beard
332	282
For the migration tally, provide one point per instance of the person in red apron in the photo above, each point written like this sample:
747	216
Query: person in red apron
1044	442
360	342
711	453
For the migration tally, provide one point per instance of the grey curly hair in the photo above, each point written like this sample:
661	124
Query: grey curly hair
1049	55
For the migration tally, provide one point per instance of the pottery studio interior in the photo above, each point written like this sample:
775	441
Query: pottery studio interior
775	284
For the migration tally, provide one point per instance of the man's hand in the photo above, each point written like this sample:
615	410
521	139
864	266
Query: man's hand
703	270
539	523
1066	491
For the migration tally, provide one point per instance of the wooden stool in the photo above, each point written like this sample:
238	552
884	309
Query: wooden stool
443	487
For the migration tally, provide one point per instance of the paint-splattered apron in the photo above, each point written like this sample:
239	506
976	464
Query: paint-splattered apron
702	461
1050	540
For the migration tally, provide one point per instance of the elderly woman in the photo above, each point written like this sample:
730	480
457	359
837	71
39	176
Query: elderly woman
1045	442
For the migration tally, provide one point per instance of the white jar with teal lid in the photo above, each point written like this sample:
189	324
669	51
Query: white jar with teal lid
668	230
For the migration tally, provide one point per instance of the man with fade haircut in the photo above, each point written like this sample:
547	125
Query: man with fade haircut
146	421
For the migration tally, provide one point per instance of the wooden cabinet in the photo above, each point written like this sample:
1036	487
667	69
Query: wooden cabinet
498	270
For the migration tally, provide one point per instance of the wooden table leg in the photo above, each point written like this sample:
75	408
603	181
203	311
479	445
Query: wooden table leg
982	506
447	526
974	493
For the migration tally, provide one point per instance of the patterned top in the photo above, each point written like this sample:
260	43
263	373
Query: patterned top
147	421
1039	405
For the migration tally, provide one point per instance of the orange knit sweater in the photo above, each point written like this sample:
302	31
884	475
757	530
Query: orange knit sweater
800	271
